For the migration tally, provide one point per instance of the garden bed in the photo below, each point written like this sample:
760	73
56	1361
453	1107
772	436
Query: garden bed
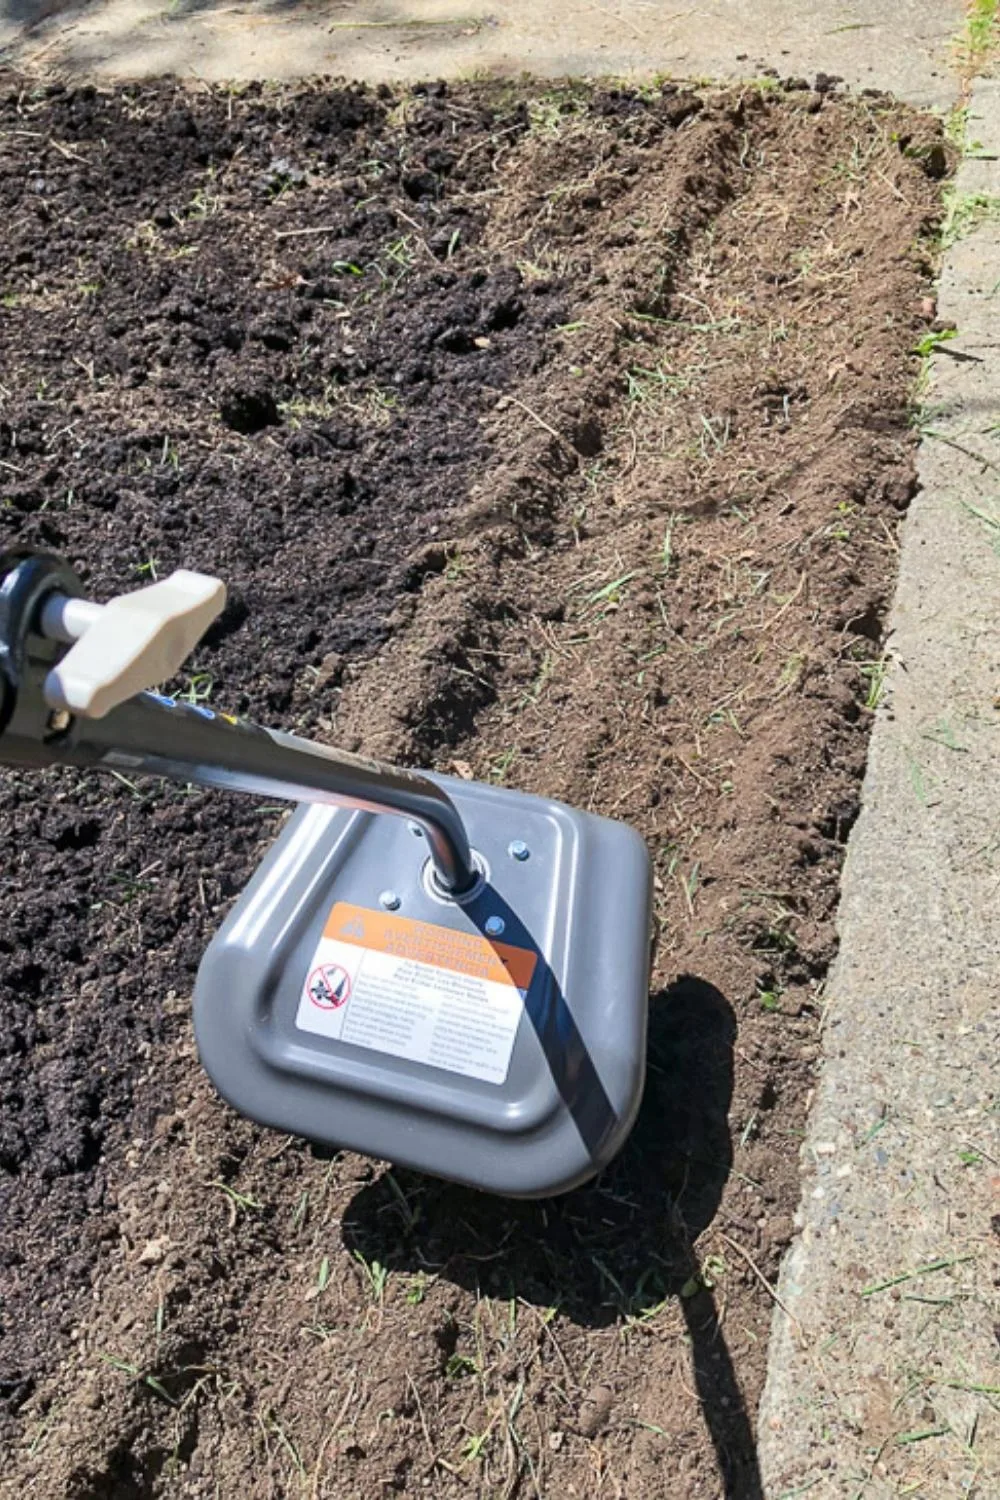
551	436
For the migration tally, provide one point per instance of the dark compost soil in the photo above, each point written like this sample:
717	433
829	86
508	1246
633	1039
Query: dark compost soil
556	437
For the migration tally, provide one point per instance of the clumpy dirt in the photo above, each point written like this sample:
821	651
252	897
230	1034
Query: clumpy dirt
557	437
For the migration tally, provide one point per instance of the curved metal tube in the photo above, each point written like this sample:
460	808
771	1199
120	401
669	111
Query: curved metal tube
187	741
190	743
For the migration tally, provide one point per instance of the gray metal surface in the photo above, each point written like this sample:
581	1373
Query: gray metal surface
580	902
152	735
483	1017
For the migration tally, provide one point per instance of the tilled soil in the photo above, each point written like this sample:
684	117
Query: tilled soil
557	437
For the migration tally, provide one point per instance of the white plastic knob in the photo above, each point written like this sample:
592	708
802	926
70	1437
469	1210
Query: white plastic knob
134	642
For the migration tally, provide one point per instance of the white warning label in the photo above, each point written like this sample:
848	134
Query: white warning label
412	989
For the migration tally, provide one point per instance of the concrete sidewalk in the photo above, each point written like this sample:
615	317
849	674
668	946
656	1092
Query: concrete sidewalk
885	1380
905	48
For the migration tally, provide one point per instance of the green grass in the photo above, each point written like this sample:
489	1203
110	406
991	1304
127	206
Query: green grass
501	765
376	1277
944	1263
611	593
198	690
933	340
956	125
417	1290
551	111
990	519
981	31
238	1202
373	406
139	1376
965	212
874	675
410	23
642	383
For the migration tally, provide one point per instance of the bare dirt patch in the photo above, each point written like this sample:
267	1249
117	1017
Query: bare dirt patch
556	437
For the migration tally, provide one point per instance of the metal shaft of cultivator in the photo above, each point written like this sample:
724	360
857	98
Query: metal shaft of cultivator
52	711
154	735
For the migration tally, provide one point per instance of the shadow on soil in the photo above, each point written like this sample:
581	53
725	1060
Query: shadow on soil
617	1248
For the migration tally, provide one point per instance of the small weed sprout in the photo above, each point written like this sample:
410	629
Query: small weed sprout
502	764
238	1202
874	674
965	212
135	1373
933	340
376	1277
198	690
713	1269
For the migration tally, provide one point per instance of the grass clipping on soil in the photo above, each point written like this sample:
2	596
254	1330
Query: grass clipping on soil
557	437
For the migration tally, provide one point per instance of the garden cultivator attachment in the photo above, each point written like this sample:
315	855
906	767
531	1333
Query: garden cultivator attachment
459	988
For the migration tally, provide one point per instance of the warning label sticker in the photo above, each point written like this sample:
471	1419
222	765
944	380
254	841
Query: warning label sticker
415	990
